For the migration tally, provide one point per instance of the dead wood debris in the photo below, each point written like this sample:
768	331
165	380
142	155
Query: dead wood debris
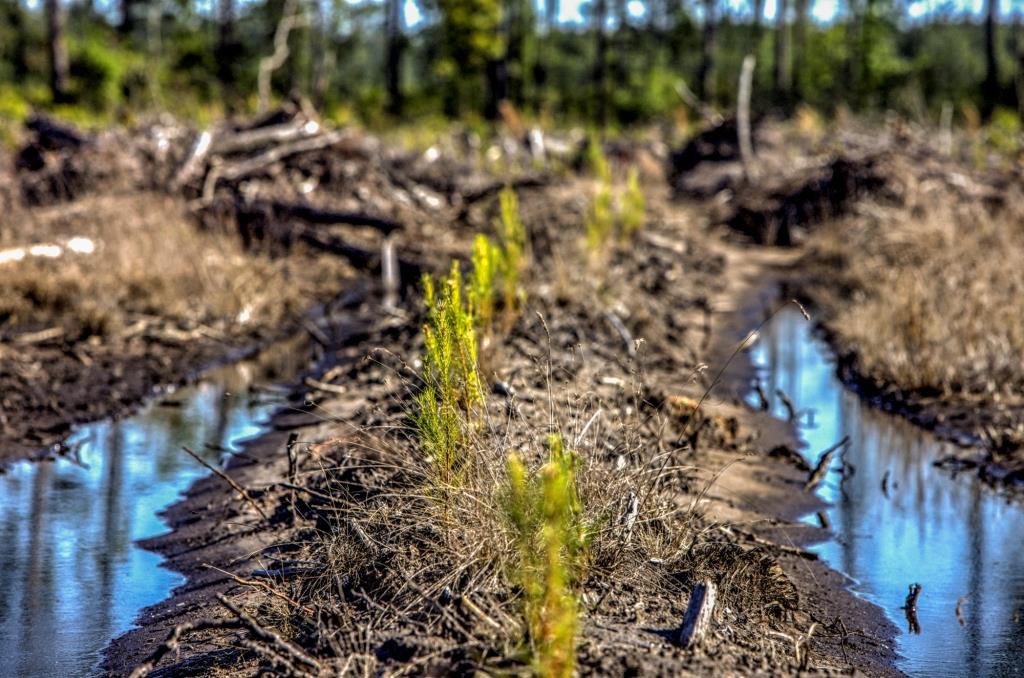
699	613
824	461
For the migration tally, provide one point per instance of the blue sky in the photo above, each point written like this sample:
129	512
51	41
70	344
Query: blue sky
571	11
823	10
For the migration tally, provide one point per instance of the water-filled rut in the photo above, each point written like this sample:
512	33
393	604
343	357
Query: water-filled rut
897	519
74	576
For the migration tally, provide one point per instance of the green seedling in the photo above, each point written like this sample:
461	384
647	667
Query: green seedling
633	210
551	540
452	385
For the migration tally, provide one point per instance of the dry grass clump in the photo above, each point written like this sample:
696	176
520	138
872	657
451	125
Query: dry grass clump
150	260
934	305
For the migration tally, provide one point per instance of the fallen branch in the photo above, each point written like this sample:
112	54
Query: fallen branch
259	137
230	481
275	641
316	215
242	169
200	149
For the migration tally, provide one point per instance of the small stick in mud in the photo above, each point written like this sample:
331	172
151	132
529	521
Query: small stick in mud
624	333
226	478
910	608
697	619
823	520
821	470
292	457
764	403
791	411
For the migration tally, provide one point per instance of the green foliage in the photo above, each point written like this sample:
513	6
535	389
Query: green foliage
99	74
599	220
544	513
483	282
497	269
1003	132
513	249
868	58
633	212
452	385
14	109
598	162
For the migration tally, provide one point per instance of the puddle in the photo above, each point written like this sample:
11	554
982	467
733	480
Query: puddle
952	535
74	577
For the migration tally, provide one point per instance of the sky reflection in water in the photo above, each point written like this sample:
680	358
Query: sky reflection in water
953	536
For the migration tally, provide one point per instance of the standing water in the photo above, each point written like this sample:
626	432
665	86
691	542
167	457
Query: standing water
898	520
74	577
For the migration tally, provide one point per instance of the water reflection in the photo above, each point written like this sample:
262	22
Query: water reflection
953	536
73	576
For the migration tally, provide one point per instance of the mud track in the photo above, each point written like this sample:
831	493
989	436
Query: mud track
690	294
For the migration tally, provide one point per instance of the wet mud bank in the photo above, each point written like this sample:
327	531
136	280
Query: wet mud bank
52	386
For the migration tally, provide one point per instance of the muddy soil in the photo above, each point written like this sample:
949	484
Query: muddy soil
346	574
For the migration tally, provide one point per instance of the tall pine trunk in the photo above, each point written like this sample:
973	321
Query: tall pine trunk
990	91
226	51
56	50
706	76
799	48
393	57
782	70
601	62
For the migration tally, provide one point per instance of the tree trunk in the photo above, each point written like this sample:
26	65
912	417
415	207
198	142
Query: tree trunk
706	76
799	48
497	87
56	50
782	70
226	50
990	92
601	62
1018	53
758	22
516	17
393	58
128	17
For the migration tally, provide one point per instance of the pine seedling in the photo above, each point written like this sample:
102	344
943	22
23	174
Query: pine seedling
513	249
545	514
633	211
487	266
450	363
598	161
452	385
599	219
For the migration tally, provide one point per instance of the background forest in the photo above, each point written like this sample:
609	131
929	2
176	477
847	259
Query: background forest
617	62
